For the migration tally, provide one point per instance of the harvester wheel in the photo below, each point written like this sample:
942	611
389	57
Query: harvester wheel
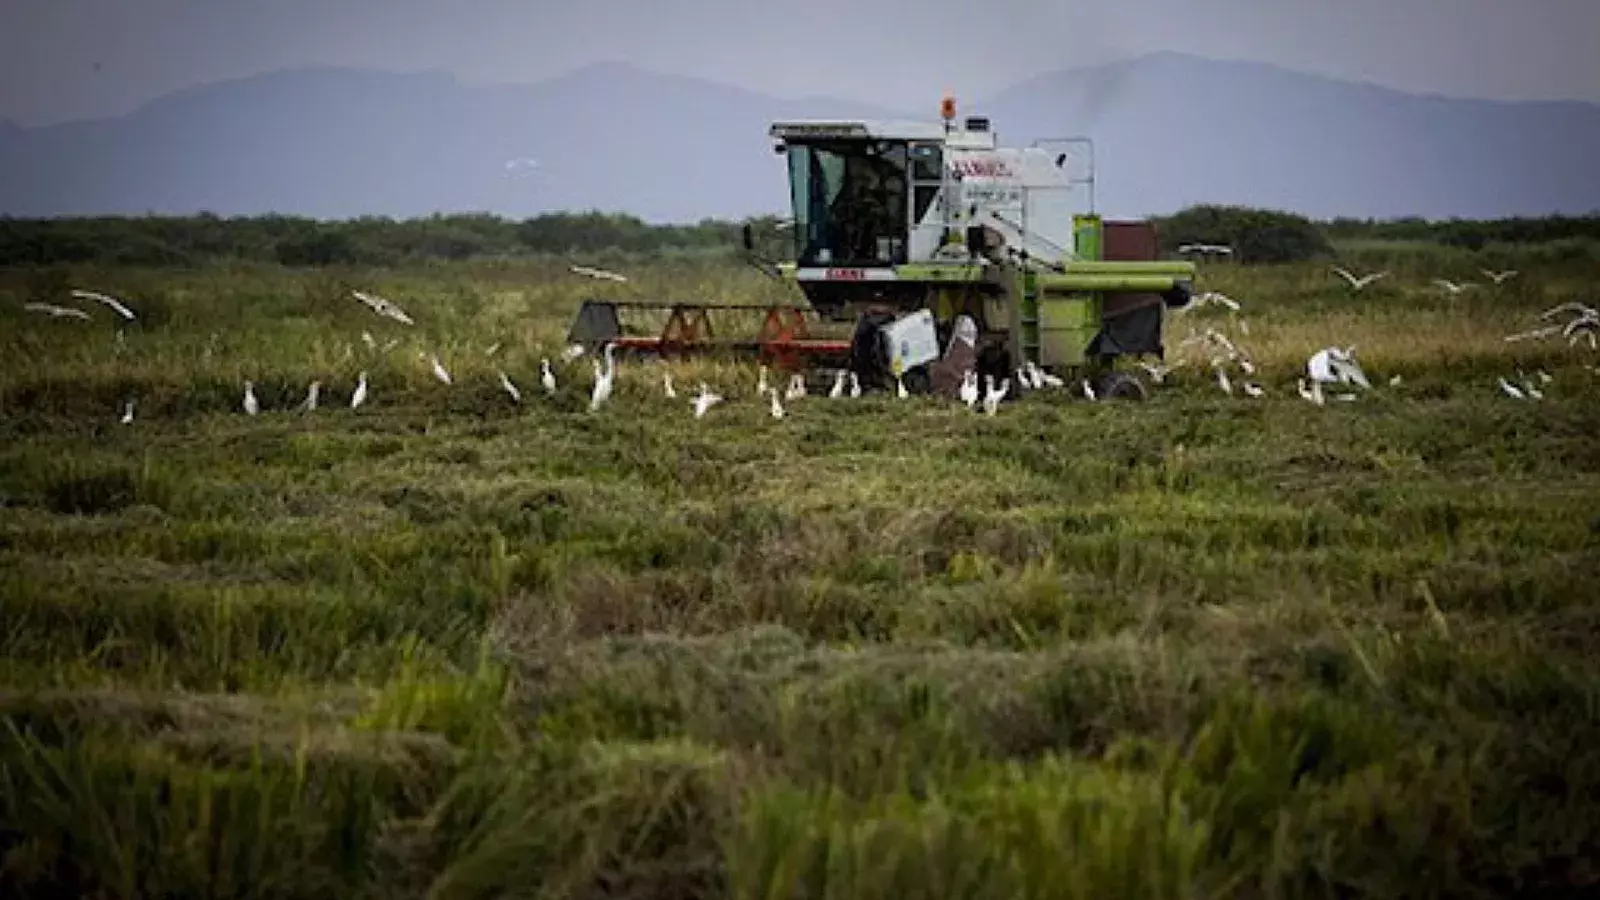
918	380
1120	386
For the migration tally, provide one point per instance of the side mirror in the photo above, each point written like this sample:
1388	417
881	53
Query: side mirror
749	238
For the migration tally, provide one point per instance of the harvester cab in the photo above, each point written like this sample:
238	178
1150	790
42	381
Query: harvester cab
890	218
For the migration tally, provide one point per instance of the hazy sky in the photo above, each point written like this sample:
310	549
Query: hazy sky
68	59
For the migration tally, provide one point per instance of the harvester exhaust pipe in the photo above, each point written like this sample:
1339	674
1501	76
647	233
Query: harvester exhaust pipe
767	266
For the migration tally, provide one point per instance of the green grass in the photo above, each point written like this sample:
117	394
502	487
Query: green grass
447	646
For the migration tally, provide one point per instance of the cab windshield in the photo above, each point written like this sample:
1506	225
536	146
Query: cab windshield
849	201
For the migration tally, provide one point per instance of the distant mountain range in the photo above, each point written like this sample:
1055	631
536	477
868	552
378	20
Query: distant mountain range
1170	130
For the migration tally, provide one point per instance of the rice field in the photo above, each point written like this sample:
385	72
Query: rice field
448	645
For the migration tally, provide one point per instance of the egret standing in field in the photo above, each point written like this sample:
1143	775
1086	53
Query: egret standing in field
360	395
602	386
969	388
310	403
777	408
251	405
993	396
547	377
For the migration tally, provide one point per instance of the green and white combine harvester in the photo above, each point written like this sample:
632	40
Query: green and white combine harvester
906	227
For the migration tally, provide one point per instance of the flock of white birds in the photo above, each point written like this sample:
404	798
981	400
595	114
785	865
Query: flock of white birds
1338	366
1333	366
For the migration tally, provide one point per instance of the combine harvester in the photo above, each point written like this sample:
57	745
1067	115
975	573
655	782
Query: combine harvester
906	228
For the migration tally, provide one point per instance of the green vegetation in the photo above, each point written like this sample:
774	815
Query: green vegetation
1259	236
449	646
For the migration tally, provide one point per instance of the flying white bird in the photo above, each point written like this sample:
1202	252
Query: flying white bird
797	388
1222	377
1050	380
309	404
382	307
598	273
366	337
666	386
493	349
572	352
505	382
969	388
838	386
1511	390
547	377
1498	277
1582	325
993	396
1213	297
1206	249
602	386
58	312
1452	287
439	370
705	400
1528	388
777	408
360	395
1251	389
1582	310
112	302
1358	283
251	405
1024	383
127	413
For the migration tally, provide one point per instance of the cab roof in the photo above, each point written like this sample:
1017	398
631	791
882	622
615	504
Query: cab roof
904	130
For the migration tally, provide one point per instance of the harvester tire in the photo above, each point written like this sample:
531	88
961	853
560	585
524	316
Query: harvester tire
918	380
1120	386
869	359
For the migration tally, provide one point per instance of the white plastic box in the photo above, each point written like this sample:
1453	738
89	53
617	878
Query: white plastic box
912	341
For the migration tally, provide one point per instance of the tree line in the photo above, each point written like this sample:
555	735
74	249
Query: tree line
1256	235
